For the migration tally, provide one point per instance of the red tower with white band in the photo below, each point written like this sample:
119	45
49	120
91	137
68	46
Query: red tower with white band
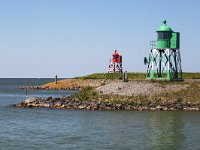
115	63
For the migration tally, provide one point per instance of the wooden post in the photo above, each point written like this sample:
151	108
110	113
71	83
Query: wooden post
56	79
125	76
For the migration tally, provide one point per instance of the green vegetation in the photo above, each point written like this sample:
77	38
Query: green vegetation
132	76
191	75
102	76
189	95
86	94
89	94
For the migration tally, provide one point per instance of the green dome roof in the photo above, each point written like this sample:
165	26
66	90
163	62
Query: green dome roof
164	27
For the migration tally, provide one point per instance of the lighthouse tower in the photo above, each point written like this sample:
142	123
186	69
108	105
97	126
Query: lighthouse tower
164	60
115	65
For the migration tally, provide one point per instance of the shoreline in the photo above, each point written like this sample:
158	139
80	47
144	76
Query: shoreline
106	93
67	103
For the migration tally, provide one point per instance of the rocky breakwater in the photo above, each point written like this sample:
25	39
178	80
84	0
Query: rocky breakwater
65	103
68	103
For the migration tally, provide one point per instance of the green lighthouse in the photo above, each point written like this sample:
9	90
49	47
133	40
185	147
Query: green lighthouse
164	60
167	38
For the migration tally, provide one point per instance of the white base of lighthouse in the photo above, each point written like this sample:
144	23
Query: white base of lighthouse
164	64
115	68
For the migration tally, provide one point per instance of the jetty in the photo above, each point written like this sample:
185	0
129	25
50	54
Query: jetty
99	92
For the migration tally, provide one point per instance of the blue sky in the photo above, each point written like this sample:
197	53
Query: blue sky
42	38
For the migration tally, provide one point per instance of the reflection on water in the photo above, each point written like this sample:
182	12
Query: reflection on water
165	131
40	128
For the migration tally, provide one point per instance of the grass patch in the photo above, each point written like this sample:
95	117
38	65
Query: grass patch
112	76
102	76
86	94
191	75
132	76
191	94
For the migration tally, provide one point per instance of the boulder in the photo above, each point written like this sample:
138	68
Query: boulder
118	106
30	100
159	107
58	103
48	105
82	106
48	98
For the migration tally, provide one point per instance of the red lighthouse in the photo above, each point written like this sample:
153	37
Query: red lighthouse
115	63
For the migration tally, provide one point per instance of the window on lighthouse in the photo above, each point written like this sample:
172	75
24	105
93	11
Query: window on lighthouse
163	35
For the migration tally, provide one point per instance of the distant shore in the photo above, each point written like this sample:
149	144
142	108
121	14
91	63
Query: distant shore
108	94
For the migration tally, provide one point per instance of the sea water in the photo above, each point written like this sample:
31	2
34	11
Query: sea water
47	128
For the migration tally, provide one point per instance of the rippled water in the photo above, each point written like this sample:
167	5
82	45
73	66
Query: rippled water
42	128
